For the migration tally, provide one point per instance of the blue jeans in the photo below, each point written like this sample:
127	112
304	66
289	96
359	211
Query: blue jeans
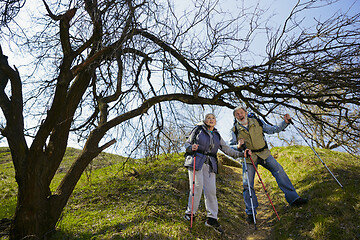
281	177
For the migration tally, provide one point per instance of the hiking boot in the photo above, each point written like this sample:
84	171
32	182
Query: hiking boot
187	217
212	222
250	218
300	201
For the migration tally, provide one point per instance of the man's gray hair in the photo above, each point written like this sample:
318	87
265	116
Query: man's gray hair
239	107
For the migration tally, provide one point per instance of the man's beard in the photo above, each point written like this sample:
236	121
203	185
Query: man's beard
244	121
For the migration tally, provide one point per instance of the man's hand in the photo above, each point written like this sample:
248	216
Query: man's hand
287	118
247	153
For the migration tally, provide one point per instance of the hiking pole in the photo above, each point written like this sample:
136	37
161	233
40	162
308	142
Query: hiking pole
264	188
290	121
193	193
249	187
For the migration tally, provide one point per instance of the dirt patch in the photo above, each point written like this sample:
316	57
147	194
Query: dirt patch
265	213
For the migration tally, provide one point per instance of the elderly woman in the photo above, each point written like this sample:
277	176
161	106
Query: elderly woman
201	148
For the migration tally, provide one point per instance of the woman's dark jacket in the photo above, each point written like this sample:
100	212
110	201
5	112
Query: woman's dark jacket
209	143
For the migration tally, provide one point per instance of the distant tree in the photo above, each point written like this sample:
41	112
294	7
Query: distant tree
124	65
318	128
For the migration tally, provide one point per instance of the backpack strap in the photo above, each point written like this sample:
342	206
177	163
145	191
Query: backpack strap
196	131
261	123
252	115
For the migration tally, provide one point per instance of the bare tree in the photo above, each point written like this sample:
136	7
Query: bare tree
340	135
317	67
127	63
9	9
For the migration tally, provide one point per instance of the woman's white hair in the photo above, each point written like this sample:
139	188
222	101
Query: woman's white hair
209	115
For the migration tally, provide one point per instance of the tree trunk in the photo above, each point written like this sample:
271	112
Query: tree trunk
32	217
38	210
34	214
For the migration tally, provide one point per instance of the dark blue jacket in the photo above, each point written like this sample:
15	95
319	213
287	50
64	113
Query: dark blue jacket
209	143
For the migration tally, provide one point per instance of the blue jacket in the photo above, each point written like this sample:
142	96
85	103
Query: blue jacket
209	143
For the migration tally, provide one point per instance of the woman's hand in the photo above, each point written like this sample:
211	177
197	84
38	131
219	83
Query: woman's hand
240	143
194	147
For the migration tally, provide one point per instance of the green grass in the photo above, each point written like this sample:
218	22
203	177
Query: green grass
333	212
8	185
146	199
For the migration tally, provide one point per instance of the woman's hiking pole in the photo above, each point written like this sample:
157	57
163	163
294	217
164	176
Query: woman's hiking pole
193	193
249	188
290	121
264	188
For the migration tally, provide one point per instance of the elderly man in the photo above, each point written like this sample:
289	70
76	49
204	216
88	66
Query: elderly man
250	131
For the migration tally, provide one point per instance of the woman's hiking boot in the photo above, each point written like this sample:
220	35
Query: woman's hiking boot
212	222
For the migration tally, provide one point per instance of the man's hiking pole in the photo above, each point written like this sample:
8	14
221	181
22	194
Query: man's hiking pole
193	193
249	187
264	188
290	121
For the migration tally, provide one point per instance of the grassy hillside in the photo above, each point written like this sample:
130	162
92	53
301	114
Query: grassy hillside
146	199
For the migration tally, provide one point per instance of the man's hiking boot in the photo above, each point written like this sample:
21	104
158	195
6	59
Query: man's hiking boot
212	222
250	218
299	202
187	217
